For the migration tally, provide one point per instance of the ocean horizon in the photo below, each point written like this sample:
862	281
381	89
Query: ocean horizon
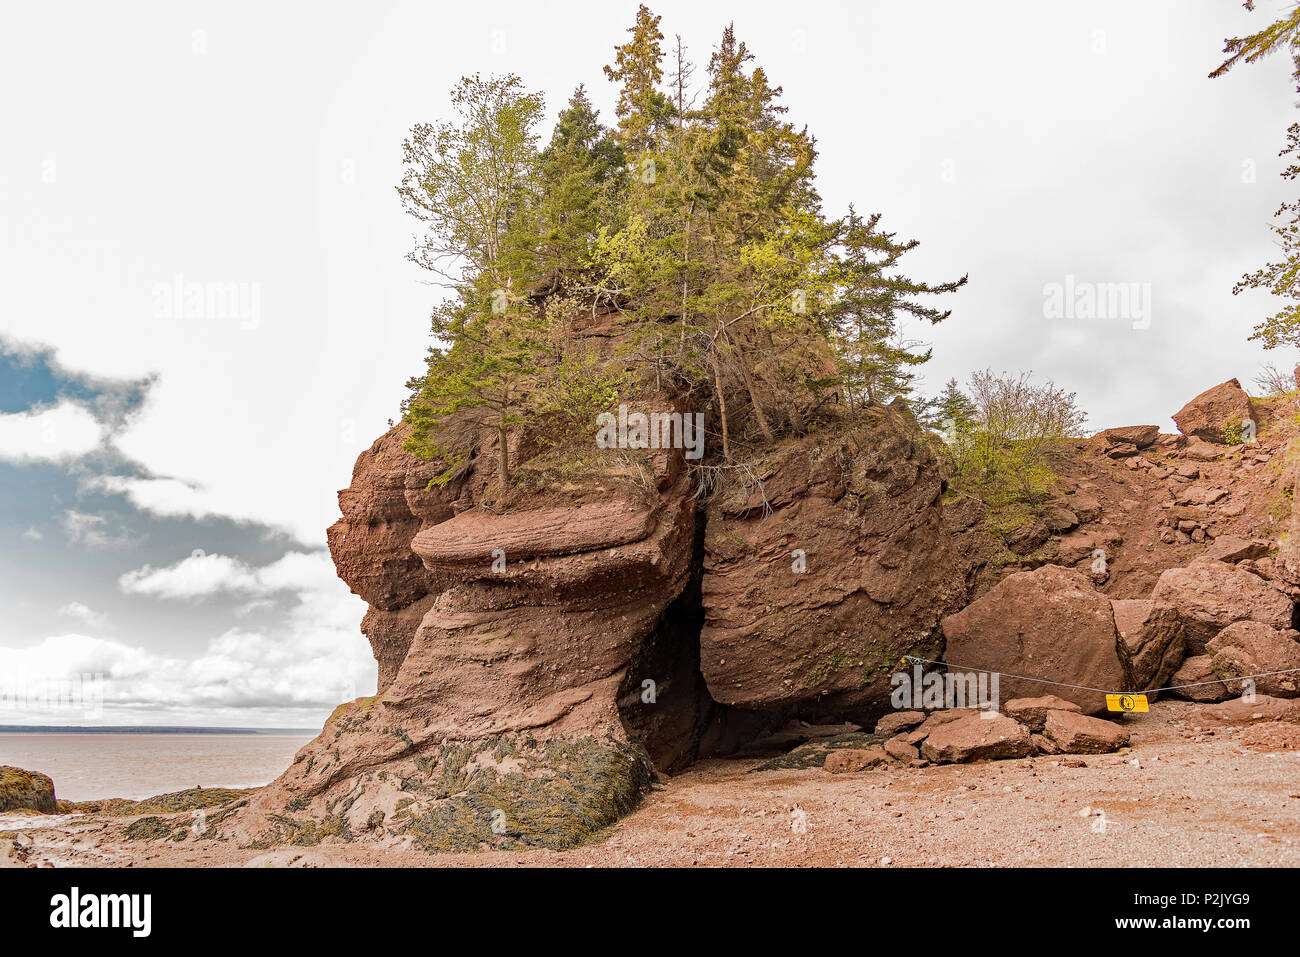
144	729
98	763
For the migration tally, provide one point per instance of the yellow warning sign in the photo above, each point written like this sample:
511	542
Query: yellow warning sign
1127	702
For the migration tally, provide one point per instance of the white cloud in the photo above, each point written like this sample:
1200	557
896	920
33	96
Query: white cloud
204	576
33	534
298	673
316	655
70	655
161	496
84	614
95	531
58	433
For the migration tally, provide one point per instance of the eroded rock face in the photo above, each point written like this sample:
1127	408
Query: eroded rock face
1207	415
386	505
815	585
544	641
1048	623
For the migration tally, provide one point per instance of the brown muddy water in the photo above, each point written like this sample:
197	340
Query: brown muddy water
90	766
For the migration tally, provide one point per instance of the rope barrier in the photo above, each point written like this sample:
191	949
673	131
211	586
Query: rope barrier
1063	684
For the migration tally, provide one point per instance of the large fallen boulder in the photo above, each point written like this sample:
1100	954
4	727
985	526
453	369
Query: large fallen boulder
825	566
1210	595
1226	406
26	791
1152	641
1251	648
1049	624
1232	549
977	737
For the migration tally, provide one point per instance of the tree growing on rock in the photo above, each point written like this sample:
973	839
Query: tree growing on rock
696	221
949	412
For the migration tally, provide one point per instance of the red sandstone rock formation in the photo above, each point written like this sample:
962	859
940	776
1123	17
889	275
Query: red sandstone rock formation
536	654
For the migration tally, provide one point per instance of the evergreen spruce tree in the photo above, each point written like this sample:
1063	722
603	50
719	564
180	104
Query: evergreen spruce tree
696	220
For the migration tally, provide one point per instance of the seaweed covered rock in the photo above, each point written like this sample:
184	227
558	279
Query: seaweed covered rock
849	760
825	561
26	791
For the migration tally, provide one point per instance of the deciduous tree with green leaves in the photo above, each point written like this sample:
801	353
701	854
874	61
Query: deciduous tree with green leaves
1281	278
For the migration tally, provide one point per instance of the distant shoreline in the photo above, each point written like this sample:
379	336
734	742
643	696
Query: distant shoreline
144	729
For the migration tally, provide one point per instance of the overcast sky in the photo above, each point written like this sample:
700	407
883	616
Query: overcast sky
168	465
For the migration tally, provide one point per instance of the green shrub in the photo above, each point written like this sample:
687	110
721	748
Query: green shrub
1001	453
